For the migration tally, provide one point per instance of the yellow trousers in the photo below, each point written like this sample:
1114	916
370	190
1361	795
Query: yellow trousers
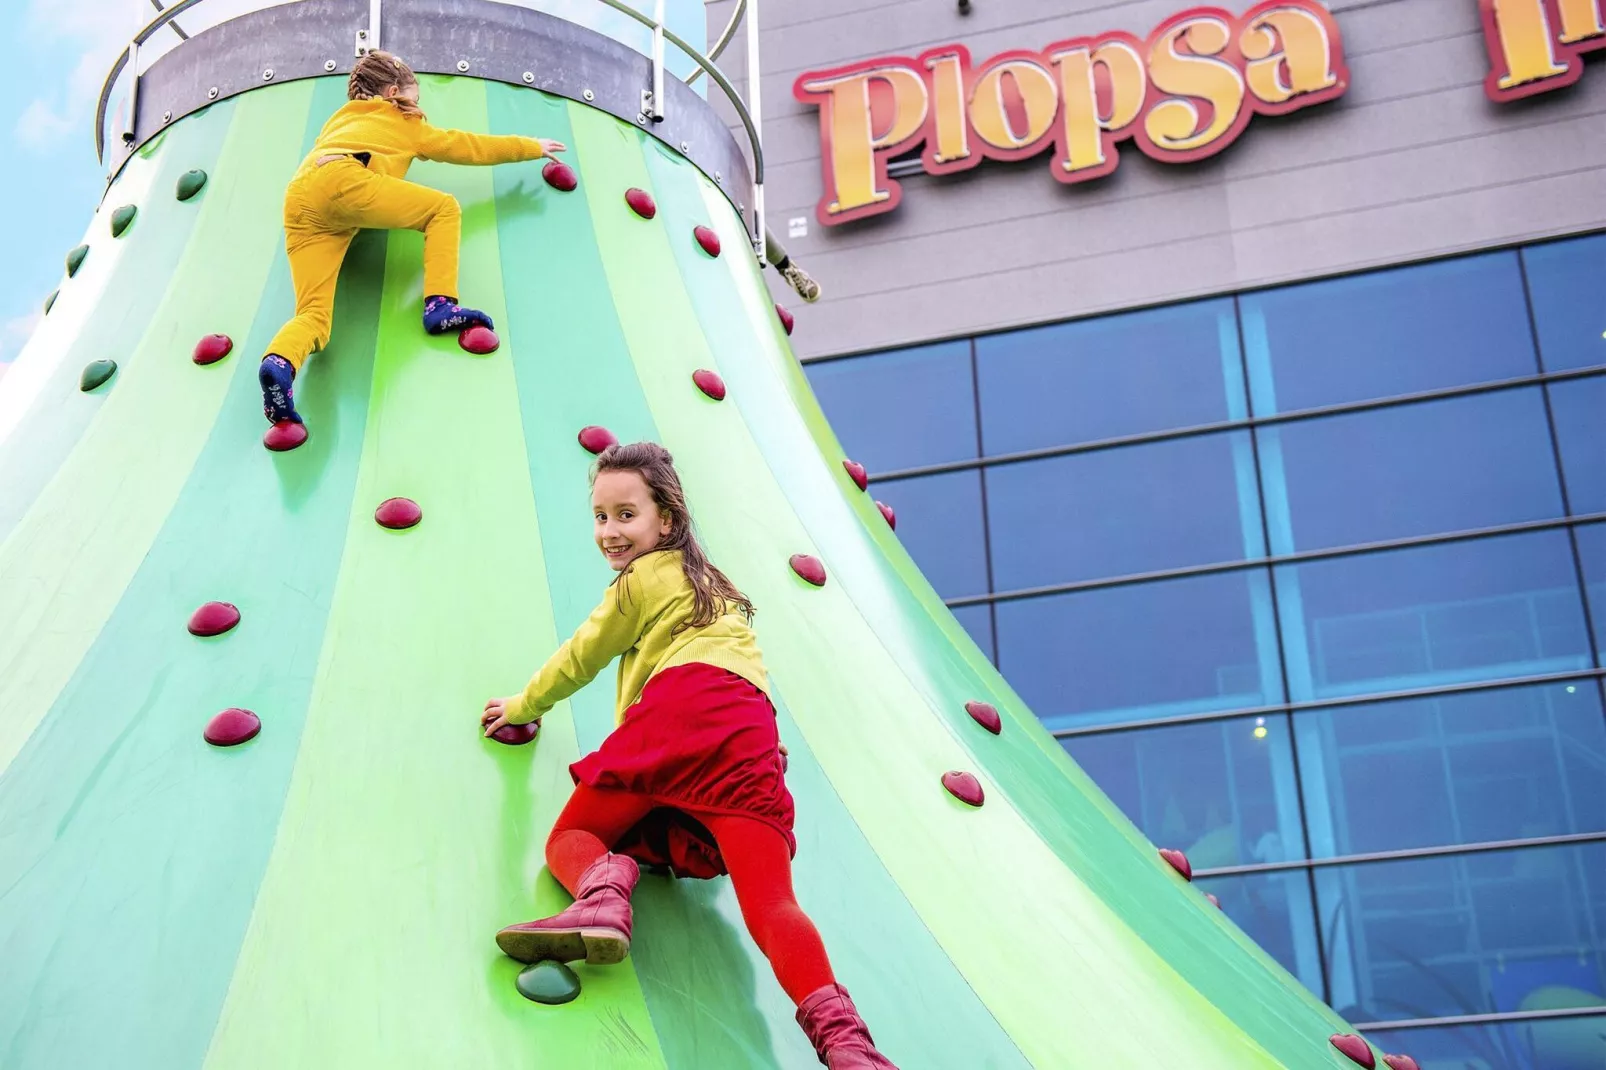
324	208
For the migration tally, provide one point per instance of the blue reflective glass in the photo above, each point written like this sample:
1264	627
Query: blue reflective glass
1274	910
1592	553
1111	376
1579	409
1146	650
978	621
1432	615
1223	793
1413	470
1556	1044
1118	511
1387	332
1513	763
940	523
1464	934
1564	279
901	409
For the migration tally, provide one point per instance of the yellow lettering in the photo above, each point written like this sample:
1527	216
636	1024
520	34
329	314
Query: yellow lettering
1174	124
1304	64
1084	144
1039	96
1580	20
849	141
1522	37
948	108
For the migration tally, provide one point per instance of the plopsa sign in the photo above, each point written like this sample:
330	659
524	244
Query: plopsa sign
1183	94
1538	45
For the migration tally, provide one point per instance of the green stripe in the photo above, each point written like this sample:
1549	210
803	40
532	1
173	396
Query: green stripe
63	569
113	813
101	311
407	839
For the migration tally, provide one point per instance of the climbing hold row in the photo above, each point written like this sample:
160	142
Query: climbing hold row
596	439
641	202
95	373
888	515
75	260
398	514
121	218
709	383
517	735
986	715
214	618
861	478
479	339
189	184
232	727
786	318
212	348
284	436
964	787
707	239
1178	861
560	176
809	568
1360	1052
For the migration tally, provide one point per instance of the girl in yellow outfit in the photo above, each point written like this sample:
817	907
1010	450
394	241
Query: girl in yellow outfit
352	179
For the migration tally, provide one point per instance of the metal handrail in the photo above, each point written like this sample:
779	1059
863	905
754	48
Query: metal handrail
704	64
723	41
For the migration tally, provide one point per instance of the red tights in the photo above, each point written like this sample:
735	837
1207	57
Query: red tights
757	856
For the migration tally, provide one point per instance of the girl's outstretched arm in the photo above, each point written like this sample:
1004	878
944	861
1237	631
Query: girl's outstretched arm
461	146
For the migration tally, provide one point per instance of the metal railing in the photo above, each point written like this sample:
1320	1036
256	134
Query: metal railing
653	99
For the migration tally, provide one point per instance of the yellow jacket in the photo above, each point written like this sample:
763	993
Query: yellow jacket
636	623
393	139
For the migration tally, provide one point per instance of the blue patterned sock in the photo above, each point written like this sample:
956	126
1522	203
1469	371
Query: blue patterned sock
276	376
443	314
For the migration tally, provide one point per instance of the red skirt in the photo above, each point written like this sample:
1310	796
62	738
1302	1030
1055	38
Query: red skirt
701	741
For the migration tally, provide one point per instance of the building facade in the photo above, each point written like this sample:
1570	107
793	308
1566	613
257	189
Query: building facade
1271	475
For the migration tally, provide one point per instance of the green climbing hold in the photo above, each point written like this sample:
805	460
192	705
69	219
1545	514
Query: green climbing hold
96	373
51	300
121	218
75	260
551	983
190	183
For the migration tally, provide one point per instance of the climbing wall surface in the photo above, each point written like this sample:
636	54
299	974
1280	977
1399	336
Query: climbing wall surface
325	894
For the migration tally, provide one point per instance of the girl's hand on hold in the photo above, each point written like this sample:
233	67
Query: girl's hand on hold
549	146
494	717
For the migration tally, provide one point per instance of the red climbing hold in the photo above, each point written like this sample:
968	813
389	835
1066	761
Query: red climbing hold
285	435
986	715
809	568
1400	1062
856	470
786	318
214	618
707	239
559	175
517	735
641	202
479	339
709	383
1213	900
596	439
886	511
232	727
212	348
964	787
398	514
1179	862
1356	1048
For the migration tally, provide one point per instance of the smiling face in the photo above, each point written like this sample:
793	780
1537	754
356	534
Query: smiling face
628	524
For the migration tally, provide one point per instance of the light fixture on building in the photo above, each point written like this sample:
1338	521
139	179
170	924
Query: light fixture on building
1260	728
964	7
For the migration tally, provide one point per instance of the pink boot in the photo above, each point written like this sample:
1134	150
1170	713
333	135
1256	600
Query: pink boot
595	927
839	1035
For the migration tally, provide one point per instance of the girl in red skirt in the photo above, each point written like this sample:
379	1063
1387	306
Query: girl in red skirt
692	776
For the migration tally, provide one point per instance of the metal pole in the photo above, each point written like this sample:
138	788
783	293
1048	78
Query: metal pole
369	40
755	76
131	105
656	111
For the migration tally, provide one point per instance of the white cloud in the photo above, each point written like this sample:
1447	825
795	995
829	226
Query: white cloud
14	333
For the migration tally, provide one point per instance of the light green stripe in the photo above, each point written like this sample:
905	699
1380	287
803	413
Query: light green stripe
63	569
407	839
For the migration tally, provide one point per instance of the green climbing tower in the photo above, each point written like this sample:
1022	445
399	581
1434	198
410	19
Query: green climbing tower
325	893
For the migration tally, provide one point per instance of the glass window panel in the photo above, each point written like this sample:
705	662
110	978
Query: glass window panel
1513	763
1141	651
978	621
1222	793
1579	408
1111	376
1559	1044
1432	615
1464	934
1413	470
1564	280
1387	332
1274	910
940	523
1118	511
901	409
1592	552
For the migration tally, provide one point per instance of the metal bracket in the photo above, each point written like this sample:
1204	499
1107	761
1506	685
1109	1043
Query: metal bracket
368	40
131	115
652	101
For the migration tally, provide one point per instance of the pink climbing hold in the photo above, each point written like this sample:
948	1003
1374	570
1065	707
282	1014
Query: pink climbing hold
964	787
596	439
1400	1062
707	239
560	176
1356	1048
888	514
1179	862
709	383
479	339
861	478
641	202
398	514
786	318
232	727
517	735
986	715
285	435
212	348
214	618
1213	900
809	568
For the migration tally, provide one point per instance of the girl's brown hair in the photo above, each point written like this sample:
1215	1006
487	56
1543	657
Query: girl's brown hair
378	71
713	593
